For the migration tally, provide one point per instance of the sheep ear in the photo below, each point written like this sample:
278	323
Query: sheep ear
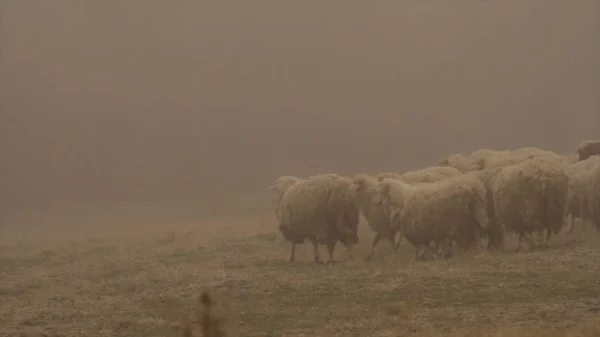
271	188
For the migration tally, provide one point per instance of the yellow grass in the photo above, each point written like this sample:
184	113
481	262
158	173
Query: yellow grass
132	280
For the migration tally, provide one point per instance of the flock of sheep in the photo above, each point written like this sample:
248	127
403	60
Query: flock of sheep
460	200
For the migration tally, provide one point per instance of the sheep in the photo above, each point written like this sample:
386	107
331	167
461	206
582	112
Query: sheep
452	209
593	198
278	189
489	159
364	187
383	175
588	148
487	163
345	210
495	230
457	161
530	196
318	208
580	179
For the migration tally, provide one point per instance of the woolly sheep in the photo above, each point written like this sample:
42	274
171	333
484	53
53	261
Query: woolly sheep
457	161
448	210
531	196
364	187
495	230
594	196
580	179
489	159
378	217
318	208
281	185
588	148
383	175
345	209
278	190
486	164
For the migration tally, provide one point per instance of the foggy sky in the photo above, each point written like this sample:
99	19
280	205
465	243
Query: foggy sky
130	102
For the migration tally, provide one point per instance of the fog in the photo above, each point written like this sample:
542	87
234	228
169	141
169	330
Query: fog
127	102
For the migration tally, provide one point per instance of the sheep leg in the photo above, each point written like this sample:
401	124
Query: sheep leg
317	257
527	238
570	223
292	256
530	242
417	251
397	239
373	245
541	236
520	242
349	250
330	250
444	250
437	248
549	233
392	239
496	238
426	252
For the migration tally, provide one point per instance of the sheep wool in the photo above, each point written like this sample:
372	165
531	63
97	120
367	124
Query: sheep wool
365	189
580	182
429	174
282	184
448	210
531	196
594	196
490	159
457	161
318	208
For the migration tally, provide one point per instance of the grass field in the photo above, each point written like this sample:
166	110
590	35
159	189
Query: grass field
141	280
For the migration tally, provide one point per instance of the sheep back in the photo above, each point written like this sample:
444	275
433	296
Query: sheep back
429	174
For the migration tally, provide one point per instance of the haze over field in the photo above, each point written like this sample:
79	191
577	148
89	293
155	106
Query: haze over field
130	103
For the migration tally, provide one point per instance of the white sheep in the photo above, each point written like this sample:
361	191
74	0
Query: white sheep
452	209
365	187
531	196
487	163
490	159
278	189
458	161
495	230
594	196
317	208
384	175
345	210
580	180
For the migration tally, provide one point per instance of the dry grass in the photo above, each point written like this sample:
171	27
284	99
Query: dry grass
143	281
